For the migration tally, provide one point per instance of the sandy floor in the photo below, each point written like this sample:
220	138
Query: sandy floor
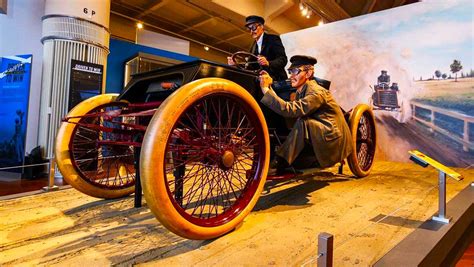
367	216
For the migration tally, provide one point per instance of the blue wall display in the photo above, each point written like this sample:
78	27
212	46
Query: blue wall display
121	51
15	76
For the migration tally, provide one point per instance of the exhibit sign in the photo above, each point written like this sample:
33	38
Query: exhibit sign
85	81
15	78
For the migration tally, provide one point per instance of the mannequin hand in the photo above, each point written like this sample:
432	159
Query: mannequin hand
230	61
265	81
263	61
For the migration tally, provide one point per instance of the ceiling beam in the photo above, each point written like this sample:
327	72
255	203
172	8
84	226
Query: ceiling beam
197	23
329	10
398	3
275	8
229	37
153	6
3	6
171	33
368	7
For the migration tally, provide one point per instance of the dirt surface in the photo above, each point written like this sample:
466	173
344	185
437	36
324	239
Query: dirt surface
367	217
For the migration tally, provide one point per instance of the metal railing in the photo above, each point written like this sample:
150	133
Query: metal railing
51	172
431	123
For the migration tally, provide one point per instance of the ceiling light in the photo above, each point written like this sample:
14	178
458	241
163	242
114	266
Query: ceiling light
139	25
321	22
206	48
308	15
304	12
301	6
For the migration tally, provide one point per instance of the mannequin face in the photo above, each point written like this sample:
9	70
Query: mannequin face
299	79
256	30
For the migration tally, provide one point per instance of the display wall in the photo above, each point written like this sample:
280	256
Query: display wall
15	77
421	47
121	51
20	32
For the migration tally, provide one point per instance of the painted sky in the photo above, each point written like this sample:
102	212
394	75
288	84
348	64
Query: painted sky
427	35
409	42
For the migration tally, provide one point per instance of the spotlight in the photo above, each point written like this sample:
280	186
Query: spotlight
308	15
301	6
304	12
139	25
321	22
206	48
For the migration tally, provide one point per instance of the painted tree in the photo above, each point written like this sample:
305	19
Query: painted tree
444	76
455	67
438	74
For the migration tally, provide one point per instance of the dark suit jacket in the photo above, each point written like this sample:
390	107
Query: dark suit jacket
274	52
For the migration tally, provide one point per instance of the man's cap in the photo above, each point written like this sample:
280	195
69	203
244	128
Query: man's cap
300	60
254	19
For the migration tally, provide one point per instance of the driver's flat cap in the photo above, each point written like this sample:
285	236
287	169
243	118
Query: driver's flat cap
301	60
254	19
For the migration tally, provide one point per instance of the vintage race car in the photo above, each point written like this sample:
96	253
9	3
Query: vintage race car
200	137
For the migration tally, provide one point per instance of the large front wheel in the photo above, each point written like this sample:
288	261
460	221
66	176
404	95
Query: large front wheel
362	126
205	158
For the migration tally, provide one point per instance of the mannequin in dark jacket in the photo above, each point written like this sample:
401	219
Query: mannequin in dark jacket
268	48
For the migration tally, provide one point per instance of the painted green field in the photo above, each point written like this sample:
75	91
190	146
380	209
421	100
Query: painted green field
448	94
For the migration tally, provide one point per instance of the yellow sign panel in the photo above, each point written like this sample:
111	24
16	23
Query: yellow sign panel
427	160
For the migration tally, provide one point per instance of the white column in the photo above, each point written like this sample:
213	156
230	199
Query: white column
73	30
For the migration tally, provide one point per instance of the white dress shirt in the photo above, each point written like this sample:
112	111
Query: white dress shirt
259	43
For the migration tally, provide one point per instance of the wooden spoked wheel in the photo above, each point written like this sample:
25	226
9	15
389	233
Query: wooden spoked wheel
205	158
362	125
90	150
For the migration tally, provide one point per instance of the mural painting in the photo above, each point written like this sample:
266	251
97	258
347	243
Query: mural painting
413	65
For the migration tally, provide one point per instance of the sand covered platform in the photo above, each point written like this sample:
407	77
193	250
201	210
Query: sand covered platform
368	217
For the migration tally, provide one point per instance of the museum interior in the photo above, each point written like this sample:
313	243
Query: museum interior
237	132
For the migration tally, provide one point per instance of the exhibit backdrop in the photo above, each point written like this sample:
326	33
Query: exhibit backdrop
15	75
414	65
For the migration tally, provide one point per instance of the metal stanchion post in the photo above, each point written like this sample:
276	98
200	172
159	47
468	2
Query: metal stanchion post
138	185
423	160
325	250
441	199
51	186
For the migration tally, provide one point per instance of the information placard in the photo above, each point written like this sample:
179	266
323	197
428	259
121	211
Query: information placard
85	81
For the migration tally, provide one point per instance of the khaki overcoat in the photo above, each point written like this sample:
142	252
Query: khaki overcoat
319	120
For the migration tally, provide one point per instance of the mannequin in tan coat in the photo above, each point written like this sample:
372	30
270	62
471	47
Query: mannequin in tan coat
319	119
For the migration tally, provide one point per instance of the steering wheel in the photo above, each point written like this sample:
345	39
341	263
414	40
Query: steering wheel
246	61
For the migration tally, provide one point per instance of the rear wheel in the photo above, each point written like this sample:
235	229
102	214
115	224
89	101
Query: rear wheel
362	126
204	158
87	149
